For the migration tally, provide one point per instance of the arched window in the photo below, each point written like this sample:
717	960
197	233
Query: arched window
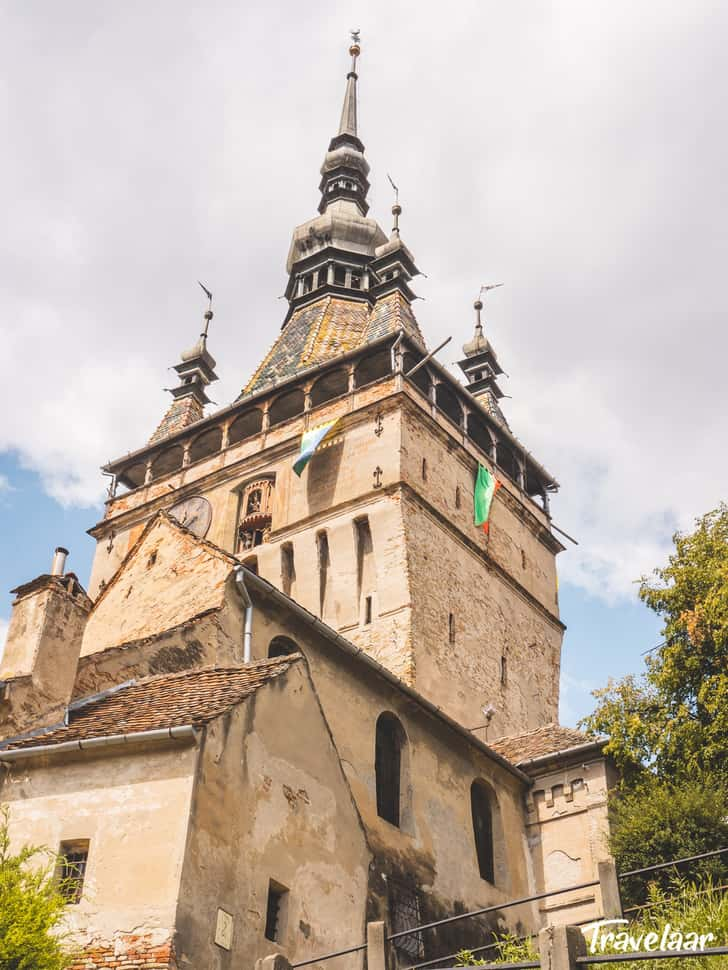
447	402
245	425
167	461
331	385
282	647
480	801
390	741
373	367
288	405
206	444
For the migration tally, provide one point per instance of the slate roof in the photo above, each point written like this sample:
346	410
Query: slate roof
328	328
519	748
167	700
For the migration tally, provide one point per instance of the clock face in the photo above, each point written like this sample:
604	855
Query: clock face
194	514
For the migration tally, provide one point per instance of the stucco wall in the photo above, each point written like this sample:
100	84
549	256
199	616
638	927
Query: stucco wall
133	807
272	803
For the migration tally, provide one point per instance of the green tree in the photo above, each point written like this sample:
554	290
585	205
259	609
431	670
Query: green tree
673	720
31	909
661	820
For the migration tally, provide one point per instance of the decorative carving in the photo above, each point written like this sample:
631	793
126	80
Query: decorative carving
378	425
378	477
256	508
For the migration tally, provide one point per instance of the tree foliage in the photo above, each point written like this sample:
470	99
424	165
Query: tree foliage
674	719
662	820
31	909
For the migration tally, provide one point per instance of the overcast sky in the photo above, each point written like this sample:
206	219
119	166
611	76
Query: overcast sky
575	151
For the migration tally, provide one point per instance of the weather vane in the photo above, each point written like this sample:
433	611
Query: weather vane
396	190
488	286
208	312
355	36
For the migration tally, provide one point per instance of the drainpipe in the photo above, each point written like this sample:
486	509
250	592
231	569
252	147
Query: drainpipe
248	603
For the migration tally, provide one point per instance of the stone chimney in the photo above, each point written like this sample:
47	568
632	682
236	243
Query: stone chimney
38	667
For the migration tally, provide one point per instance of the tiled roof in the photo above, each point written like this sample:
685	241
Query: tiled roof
328	328
182	412
542	741
169	700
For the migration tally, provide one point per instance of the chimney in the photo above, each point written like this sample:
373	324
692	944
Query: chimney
58	566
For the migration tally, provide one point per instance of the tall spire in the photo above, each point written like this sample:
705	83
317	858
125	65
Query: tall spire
480	364
348	125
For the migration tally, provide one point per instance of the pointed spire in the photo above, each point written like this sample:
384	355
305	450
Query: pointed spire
196	370
348	125
480	364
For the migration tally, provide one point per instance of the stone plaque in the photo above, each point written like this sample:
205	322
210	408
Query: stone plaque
224	930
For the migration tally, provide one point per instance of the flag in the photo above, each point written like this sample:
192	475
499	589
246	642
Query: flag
486	485
310	440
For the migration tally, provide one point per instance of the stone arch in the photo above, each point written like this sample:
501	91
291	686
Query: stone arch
282	647
490	852
447	401
391	769
168	461
479	434
422	379
373	367
206	444
286	406
329	386
245	425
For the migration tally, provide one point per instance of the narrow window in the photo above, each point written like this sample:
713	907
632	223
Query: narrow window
504	671
355	281
458	499
275	911
322	545
388	767
339	276
368	610
482	829
365	566
523	558
71	869
451	627
424	469
288	568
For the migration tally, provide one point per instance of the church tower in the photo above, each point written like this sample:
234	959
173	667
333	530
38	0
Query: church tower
376	537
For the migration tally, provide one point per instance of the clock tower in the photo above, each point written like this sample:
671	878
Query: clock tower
376	538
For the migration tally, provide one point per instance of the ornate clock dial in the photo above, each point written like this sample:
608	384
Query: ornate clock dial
195	514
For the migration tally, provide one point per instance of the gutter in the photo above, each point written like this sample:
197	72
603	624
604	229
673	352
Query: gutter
578	751
263	586
185	732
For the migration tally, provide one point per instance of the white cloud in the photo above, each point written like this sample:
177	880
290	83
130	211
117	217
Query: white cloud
576	151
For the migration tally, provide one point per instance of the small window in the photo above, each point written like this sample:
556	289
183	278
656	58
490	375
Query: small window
71	869
458	497
339	276
282	647
451	627
424	469
388	767
368	610
504	671
523	558
404	909
483	829
355	281
322	546
275	911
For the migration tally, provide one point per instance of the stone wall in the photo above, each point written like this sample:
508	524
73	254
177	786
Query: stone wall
127	951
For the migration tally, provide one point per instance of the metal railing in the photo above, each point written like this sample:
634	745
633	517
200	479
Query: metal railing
448	920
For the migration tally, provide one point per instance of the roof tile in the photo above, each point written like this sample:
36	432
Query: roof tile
542	741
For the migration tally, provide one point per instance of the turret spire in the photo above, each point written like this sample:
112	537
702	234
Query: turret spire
480	364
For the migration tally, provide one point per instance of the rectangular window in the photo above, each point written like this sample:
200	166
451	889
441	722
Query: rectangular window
368	610
404	908
71	869
504	671
451	627
366	575
275	911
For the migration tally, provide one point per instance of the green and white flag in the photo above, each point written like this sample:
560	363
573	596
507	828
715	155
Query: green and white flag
310	440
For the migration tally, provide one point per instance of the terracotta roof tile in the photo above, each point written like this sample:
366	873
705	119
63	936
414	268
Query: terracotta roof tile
168	700
542	741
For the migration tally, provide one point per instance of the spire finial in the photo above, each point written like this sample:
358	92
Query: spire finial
479	303
396	208
208	313
348	124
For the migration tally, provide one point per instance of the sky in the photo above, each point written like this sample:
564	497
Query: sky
574	151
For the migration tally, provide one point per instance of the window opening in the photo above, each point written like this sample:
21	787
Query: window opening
72	861
388	767
451	627
322	544
482	829
282	647
288	568
274	911
504	671
368	610
404	907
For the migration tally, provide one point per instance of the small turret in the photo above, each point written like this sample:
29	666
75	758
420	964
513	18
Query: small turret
480	364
